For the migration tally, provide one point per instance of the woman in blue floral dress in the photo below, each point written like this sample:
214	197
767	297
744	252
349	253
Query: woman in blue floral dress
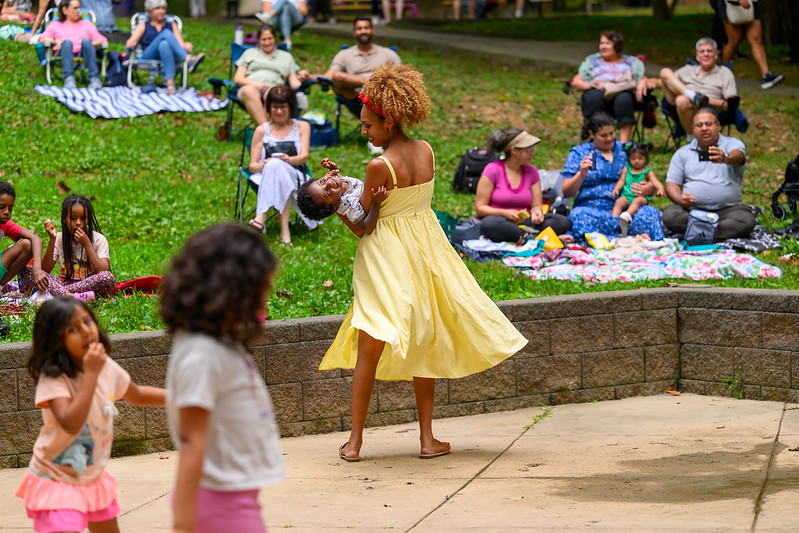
591	171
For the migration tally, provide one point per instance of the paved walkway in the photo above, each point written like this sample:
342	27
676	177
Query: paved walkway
661	463
544	53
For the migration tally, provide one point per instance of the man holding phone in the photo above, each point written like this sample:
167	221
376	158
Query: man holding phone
706	175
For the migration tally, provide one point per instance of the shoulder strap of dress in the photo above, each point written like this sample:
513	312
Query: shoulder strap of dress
390	168
434	157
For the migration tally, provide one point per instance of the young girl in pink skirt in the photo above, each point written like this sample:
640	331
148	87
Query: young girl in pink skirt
67	487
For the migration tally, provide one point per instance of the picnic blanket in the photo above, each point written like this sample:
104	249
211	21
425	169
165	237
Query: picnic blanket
648	260
121	102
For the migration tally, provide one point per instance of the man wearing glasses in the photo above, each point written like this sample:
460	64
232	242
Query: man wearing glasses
694	86
704	181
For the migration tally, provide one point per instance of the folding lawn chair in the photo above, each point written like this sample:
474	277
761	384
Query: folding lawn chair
53	67
136	63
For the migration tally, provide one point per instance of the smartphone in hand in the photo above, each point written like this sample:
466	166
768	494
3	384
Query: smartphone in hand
704	155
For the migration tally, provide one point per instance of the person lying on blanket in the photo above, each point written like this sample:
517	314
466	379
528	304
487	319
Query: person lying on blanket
706	174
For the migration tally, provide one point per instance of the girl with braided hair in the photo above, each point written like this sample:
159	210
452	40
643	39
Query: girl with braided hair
417	313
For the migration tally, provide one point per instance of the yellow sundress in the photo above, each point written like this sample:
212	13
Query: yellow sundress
413	291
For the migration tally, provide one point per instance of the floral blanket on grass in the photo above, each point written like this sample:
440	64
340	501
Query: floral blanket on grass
641	260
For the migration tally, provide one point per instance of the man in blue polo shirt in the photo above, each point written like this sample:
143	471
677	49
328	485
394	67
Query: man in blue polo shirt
706	175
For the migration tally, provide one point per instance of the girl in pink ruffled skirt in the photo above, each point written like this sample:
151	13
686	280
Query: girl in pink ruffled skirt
67	487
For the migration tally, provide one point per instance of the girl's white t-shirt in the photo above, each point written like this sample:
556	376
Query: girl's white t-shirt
242	447
81	265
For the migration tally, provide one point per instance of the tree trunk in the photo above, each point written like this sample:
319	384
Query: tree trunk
776	20
663	9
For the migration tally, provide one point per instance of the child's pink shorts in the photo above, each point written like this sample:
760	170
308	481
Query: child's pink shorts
68	520
225	511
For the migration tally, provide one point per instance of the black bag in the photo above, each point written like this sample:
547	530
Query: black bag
115	76
471	167
791	189
701	228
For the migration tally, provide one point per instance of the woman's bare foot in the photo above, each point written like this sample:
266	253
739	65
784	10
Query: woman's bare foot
438	449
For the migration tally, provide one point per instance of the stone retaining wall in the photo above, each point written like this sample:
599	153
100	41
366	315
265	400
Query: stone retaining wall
600	346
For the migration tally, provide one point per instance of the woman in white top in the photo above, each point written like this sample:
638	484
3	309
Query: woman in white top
278	154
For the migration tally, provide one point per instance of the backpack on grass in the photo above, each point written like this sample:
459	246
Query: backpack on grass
791	189
471	167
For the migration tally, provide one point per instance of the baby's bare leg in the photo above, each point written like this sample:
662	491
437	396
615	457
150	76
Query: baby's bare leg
619	206
637	202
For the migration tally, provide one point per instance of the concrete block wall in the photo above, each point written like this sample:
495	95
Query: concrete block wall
599	346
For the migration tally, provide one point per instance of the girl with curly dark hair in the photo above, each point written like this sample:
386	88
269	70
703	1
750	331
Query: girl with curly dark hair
218	406
418	314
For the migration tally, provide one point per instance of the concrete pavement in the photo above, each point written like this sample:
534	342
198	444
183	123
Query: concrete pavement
659	463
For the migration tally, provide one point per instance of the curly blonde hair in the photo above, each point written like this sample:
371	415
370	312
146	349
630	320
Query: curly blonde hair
400	92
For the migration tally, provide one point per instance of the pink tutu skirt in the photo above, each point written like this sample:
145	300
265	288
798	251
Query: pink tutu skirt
42	493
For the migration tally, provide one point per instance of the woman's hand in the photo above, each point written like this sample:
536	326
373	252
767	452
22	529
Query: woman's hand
303	75
586	164
131	43
49	227
512	215
537	215
187	46
643	188
745	4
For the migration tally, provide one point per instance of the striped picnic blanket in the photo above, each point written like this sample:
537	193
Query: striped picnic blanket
120	102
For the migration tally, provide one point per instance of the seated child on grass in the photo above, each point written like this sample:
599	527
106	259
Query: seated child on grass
26	245
85	261
635	171
334	193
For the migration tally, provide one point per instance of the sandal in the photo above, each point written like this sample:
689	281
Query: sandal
257	226
349	459
286	243
445	449
171	88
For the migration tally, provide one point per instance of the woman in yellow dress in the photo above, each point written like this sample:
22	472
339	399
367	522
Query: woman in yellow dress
417	313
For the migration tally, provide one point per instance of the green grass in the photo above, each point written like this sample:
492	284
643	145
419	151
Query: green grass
155	180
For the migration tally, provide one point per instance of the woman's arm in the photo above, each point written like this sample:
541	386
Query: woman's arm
145	396
71	413
377	175
482	199
193	427
305	145
256	163
240	79
571	185
39	16
302	7
537	205
294	81
135	37
580	84
176	32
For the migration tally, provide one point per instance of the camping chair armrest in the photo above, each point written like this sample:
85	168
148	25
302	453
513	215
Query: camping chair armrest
306	86
217	85
324	83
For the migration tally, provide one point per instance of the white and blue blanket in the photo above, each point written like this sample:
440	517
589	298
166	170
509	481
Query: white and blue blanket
121	102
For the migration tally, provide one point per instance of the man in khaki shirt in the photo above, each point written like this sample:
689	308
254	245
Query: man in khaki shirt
692	87
352	66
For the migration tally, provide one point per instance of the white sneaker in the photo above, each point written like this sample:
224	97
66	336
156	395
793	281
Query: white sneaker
374	150
95	84
264	17
332	20
69	83
624	219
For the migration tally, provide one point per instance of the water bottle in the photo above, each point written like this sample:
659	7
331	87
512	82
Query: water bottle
238	36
